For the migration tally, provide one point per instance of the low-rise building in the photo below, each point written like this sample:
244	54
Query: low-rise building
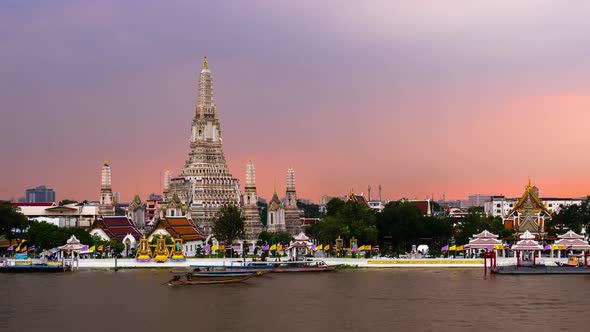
69	215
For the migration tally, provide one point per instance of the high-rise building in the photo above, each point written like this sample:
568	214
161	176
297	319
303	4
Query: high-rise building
40	194
252	224
107	200
205	182
292	217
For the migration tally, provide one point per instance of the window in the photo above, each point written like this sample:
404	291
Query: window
497	205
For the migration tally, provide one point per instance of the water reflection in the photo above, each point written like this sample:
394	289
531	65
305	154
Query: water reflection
348	300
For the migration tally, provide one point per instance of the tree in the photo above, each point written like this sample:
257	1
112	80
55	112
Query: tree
263	208
12	222
229	224
309	210
333	206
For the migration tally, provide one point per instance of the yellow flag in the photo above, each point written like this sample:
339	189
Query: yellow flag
280	247
273	247
99	248
213	247
453	248
92	248
24	249
320	247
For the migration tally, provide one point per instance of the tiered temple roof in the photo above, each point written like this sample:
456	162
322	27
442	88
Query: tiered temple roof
572	241
483	240
180	227
117	227
527	242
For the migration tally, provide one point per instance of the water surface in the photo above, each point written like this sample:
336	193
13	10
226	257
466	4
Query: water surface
348	300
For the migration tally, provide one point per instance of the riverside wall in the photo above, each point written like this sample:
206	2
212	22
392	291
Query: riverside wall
353	262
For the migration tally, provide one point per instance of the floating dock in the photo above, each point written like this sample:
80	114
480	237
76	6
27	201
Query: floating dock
540	269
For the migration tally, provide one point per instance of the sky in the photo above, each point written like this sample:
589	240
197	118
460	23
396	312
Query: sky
426	98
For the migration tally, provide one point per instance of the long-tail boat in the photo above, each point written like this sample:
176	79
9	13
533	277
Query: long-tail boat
299	266
210	280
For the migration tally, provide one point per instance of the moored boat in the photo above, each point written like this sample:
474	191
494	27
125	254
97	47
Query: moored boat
300	266
33	267
210	280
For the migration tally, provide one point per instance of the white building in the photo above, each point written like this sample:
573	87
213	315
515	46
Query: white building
499	206
70	215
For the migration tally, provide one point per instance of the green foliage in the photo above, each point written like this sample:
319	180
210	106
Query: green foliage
263	207
474	223
346	220
573	217
274	238
310	210
333	206
229	224
401	225
12	222
46	236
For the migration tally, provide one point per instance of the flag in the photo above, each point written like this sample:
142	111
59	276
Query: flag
320	247
280	247
506	246
107	248
207	248
460	248
214	247
222	247
23	249
11	248
498	246
547	247
376	248
266	248
99	248
453	248
92	248
32	248
313	247
569	247
273	247
355	248
445	248
490	247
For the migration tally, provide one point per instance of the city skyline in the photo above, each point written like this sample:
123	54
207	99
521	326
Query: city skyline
424	100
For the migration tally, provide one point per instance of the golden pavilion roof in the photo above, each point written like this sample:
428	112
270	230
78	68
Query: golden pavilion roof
530	200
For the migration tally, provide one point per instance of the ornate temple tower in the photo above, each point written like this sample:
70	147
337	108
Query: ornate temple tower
107	206
292	221
205	183
136	212
253	225
276	215
166	191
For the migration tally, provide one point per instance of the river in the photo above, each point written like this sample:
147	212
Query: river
396	299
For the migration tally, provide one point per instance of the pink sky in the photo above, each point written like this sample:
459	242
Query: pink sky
426	98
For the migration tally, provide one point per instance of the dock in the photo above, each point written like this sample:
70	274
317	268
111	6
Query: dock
539	269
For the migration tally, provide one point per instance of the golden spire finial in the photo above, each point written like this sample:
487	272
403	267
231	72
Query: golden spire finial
205	63
529	181
106	162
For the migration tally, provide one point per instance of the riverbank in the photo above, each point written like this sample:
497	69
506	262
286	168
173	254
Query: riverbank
128	263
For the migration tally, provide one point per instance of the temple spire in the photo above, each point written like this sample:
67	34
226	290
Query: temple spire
205	63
